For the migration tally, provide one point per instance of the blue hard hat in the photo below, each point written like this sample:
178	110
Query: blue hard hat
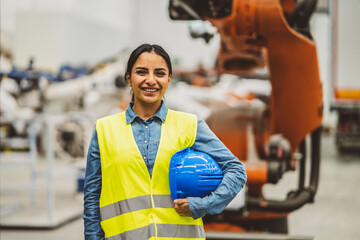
193	174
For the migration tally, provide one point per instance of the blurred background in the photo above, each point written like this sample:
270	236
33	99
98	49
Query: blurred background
62	66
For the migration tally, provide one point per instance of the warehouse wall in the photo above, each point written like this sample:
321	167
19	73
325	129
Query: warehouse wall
81	31
54	38
347	44
57	32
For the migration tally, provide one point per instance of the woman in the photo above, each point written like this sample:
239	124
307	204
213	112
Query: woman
126	193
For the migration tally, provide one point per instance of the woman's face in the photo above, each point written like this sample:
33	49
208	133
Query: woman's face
149	78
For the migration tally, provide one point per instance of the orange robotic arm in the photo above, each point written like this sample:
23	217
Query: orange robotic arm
275	34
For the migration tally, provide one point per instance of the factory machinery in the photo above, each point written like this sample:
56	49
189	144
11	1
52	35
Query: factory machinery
49	118
271	34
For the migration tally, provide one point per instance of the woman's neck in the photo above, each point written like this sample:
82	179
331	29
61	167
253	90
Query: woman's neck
146	110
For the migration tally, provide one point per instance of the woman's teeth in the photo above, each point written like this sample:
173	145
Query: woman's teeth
150	89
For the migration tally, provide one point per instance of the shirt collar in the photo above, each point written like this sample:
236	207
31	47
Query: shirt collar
160	114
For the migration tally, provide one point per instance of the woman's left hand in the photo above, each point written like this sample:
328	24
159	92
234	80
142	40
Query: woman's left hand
182	207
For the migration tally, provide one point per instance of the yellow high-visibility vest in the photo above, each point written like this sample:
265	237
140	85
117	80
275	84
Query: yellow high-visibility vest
134	206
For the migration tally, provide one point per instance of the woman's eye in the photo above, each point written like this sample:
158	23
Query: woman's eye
160	73
141	72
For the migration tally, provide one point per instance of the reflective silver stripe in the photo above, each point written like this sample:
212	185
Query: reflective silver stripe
125	206
163	201
180	231
136	234
164	230
135	204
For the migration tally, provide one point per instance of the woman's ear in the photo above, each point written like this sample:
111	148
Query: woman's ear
169	78
128	79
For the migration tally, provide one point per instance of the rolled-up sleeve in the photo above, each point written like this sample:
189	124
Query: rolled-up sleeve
234	174
92	190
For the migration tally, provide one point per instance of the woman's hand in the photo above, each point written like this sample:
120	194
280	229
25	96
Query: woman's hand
182	207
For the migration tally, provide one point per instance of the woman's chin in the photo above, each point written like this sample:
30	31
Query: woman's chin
150	99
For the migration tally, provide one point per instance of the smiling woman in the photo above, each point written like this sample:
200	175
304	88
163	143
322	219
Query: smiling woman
127	194
149	77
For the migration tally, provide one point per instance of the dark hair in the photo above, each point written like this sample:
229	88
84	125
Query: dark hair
147	48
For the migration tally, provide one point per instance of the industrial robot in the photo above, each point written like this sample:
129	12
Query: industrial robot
275	35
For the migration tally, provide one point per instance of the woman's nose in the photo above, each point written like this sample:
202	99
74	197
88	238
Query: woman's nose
151	79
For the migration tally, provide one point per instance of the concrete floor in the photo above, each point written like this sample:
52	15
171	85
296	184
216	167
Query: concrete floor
335	214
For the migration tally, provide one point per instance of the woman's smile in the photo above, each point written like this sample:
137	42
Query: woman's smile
152	90
149	78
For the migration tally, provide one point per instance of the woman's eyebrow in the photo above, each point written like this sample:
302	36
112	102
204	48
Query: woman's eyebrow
160	69
143	68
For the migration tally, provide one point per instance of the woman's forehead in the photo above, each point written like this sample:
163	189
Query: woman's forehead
151	59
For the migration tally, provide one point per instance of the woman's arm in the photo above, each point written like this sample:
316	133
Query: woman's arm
234	174
92	190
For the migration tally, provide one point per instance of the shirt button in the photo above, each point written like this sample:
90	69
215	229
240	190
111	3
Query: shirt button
144	157
145	141
146	127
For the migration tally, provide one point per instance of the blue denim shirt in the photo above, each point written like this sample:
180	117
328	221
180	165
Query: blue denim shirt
147	137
